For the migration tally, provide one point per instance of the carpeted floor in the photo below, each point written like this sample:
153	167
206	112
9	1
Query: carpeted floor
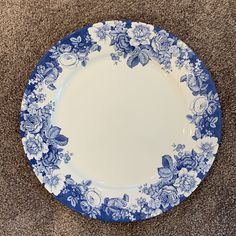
28	28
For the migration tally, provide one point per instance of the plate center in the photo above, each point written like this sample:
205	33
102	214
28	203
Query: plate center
120	121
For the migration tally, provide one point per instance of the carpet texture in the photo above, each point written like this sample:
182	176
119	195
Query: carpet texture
29	28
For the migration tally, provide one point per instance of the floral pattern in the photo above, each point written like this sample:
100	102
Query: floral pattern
180	173
34	146
140	34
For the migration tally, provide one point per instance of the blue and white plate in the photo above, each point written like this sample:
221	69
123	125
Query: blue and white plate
120	121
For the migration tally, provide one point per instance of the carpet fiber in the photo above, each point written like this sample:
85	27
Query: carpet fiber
29	28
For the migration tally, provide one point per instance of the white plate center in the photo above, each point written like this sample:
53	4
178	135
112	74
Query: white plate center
120	121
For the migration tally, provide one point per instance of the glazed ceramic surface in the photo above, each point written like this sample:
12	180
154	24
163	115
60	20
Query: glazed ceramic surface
120	121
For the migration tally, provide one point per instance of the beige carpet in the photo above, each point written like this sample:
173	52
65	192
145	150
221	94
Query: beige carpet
29	28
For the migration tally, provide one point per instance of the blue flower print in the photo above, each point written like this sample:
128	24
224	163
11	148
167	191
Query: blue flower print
203	114
93	198
121	43
29	99
154	203
186	182
152	207
33	108
47	110
67	157
53	182
168	196
51	74
39	168
140	34
120	27
162	42
204	164
51	159
208	146
193	82
115	57
161	45
187	160
34	146
100	32
174	51
32	123
199	105
68	59
115	204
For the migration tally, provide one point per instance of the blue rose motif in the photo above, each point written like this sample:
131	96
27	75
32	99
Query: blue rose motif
186	182
208	146
122	43
99	32
199	105
161	43
194	83
168	196
115	204
32	123
34	146
68	59
93	198
51	159
188	160
140	34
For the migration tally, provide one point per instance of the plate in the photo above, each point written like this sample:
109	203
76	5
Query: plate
120	121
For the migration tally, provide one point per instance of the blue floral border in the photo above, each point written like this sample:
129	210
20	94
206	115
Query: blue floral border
137	43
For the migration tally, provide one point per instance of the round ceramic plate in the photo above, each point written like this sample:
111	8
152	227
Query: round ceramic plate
120	121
